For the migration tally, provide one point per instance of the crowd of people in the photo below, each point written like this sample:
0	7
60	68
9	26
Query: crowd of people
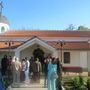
21	70
29	70
53	73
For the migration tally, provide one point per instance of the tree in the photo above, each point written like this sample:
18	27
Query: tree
82	28
71	27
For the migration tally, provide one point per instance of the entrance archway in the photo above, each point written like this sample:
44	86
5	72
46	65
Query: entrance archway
39	53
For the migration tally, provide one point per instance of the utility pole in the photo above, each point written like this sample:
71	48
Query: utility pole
61	43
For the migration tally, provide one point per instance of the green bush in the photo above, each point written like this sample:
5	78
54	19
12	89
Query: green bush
88	83
76	83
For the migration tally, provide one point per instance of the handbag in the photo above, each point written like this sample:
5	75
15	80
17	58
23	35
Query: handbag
54	75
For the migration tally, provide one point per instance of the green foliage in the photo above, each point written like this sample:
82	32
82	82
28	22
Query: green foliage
76	83
82	28
88	83
59	84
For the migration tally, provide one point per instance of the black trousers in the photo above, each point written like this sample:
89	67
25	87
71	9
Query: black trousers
22	76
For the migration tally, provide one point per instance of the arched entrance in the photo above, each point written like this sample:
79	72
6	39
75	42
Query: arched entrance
39	53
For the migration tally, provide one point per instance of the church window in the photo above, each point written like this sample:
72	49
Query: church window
66	57
2	29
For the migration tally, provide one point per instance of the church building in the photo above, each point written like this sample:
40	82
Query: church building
71	47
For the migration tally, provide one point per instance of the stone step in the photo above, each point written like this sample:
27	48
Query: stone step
31	85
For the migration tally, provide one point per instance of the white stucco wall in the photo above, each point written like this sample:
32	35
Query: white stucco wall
6	26
77	58
6	53
88	61
29	51
74	58
83	59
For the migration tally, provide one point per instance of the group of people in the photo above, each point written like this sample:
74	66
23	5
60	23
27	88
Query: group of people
21	70
53	72
28	70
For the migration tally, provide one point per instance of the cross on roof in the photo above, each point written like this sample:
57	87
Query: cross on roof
1	6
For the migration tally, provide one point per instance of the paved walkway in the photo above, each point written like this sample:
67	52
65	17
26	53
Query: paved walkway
32	86
38	86
29	89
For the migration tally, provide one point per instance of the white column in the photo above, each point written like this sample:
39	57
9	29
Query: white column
17	54
59	53
88	62
55	53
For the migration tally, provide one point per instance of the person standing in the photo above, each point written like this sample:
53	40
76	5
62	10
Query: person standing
39	69
27	65
9	69
2	84
16	67
34	70
59	72
22	74
4	65
45	71
52	69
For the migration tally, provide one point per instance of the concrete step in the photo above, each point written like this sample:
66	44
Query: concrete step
31	85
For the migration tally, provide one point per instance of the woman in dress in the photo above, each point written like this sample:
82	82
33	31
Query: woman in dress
52	68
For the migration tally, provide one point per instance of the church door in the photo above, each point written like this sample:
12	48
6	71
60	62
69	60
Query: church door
39	53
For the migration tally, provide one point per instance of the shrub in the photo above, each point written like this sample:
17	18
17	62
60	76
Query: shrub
76	83
88	83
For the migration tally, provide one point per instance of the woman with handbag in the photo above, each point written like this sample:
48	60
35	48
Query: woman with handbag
52	74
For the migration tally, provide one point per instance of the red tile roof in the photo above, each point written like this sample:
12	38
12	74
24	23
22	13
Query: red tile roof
46	33
68	45
71	45
3	45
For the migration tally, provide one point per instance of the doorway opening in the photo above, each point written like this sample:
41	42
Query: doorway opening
39	53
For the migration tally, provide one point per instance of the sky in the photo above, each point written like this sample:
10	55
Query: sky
46	14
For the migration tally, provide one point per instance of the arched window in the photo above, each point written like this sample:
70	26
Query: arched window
2	29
